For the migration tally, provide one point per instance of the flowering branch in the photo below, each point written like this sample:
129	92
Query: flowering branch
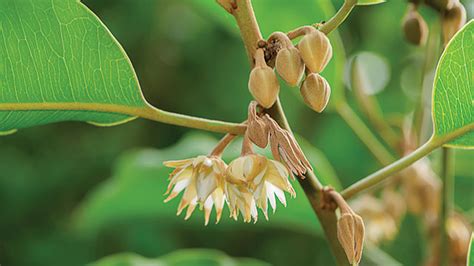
251	35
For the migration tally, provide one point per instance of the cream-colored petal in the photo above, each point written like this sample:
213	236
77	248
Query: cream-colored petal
219	200
205	185
208	209
178	175
179	163
274	176
180	186
280	195
271	195
191	207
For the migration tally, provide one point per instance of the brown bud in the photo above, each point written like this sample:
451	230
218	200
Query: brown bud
290	66
414	27
350	228
453	20
263	82
350	233
316	92
257	129
316	50
285	148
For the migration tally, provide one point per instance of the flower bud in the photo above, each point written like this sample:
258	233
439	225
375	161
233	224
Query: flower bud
263	82
289	65
453	20
414	27
350	233
316	92
316	50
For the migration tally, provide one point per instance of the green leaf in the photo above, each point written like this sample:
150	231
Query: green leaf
470	253
453	95
195	257
369	2
140	179
58	62
290	14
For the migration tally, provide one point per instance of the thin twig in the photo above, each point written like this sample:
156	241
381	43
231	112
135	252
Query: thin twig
378	177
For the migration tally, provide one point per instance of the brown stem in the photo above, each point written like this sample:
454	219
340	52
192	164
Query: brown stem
249	29
314	192
300	32
247	146
223	143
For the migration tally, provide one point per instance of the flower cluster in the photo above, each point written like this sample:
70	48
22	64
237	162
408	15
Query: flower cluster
247	183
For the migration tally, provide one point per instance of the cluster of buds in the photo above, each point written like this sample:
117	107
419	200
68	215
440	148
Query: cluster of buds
312	54
350	226
248	183
453	18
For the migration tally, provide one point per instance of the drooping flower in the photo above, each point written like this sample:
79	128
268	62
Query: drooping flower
253	181
202	179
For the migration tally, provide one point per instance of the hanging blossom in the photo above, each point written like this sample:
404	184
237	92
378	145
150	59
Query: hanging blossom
253	181
202	180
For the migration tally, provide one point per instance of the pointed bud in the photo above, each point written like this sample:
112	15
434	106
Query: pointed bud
316	50
290	66
263	82
350	233
316	92
414	27
350	226
453	20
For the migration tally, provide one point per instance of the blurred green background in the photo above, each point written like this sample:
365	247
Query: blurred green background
72	193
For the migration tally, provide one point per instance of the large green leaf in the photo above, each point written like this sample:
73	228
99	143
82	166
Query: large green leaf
58	62
453	95
196	257
284	15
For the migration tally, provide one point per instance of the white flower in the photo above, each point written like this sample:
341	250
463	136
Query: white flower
202	179
252	181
